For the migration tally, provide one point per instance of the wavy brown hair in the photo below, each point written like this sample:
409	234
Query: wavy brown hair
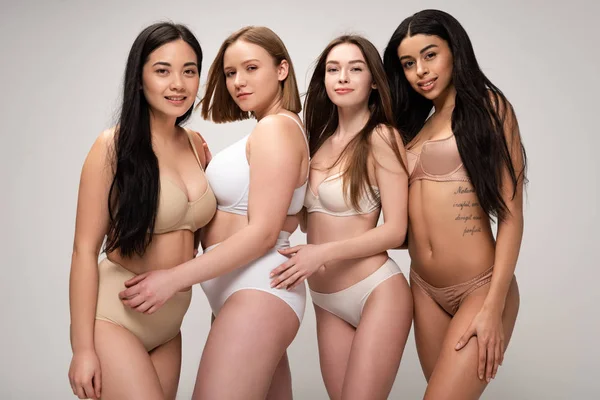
217	104
321	120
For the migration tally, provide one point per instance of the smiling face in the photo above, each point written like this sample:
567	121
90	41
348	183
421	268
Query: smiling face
348	81
427	63
252	76
170	79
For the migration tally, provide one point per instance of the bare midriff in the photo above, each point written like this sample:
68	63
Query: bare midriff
450	238
338	275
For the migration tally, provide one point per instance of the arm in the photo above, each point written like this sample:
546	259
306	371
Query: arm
510	230
275	160
392	181
90	228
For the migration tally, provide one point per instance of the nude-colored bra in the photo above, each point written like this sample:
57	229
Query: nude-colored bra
330	199
438	161
176	212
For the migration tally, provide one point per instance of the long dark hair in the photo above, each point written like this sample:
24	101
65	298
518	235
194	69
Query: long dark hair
133	196
321	119
481	111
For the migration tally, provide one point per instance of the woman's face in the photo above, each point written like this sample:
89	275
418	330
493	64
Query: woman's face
252	77
348	80
170	79
427	63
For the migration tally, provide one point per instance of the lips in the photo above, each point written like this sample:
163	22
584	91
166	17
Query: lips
243	95
427	85
177	100
343	90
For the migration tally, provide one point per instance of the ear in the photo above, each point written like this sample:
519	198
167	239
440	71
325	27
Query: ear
374	86
282	70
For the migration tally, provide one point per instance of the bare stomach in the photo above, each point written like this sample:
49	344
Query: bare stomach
224	225
166	250
450	238
339	275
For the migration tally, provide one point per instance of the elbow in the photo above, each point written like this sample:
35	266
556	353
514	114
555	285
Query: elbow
266	240
398	236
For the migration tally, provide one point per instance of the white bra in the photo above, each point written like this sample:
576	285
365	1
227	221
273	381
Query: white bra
228	174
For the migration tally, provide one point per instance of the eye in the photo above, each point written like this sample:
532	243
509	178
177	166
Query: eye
161	71
229	74
251	68
190	72
332	69
356	69
430	56
408	64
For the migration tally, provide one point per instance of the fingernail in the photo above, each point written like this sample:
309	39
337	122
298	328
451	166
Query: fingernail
488	380
457	346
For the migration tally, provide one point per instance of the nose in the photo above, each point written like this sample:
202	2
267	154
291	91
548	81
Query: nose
177	82
422	69
343	77
239	81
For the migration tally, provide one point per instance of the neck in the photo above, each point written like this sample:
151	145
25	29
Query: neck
272	108
351	120
163	127
446	99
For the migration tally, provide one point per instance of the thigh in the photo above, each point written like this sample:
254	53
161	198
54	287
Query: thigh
245	344
335	338
166	359
281	385
431	324
127	371
455	374
379	341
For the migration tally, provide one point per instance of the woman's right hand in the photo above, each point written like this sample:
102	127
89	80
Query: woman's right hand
85	375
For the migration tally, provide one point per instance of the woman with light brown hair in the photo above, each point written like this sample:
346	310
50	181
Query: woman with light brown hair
362	301
260	183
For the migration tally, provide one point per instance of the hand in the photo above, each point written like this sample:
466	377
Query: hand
487	326
207	152
148	292
305	260
85	375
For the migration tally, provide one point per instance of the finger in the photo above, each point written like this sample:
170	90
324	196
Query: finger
491	360
497	360
282	268
298	282
207	152
89	389
79	392
130	293
72	386
502	350
482	356
464	339
289	280
152	309
134	302
289	250
277	282
142	308
98	383
135	280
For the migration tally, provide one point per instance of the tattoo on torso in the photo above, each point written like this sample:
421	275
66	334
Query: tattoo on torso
466	215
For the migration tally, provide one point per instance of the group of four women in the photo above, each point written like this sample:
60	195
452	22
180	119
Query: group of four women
422	137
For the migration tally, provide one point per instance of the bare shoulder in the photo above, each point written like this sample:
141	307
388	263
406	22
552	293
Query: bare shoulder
271	128
384	138
198	142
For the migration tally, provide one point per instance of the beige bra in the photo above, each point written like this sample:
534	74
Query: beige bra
330	199
439	160
176	212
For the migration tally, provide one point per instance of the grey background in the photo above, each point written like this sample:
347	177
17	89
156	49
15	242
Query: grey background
61	72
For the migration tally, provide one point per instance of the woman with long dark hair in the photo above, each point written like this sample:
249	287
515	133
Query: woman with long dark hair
467	167
362	301
259	182
143	189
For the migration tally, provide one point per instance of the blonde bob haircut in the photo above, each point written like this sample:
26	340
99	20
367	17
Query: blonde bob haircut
217	104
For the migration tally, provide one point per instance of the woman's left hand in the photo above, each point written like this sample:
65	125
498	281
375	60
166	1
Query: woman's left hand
487	326
148	292
305	260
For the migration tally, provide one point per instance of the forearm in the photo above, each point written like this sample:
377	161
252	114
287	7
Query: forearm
508	245
374	241
239	249
83	295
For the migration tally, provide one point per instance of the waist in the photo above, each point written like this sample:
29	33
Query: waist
342	274
283	241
